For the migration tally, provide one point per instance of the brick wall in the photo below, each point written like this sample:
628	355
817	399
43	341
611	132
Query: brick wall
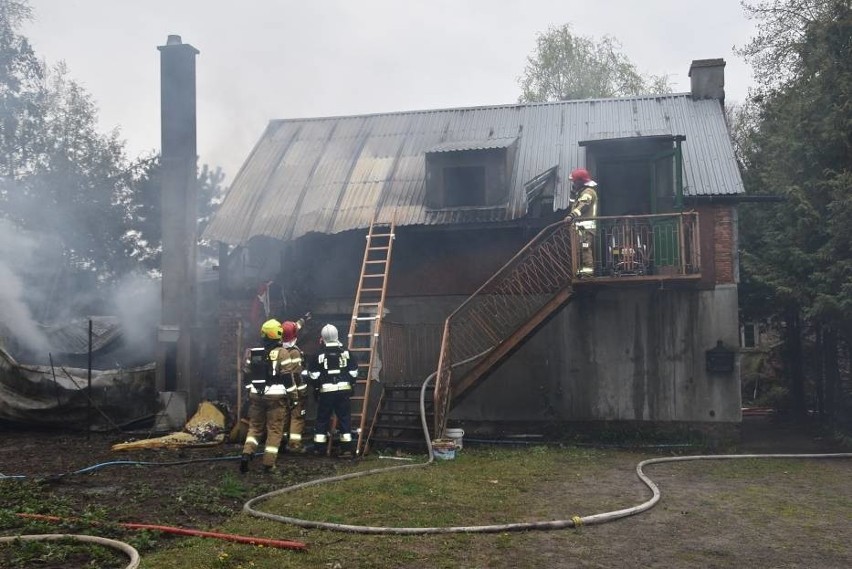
723	243
230	313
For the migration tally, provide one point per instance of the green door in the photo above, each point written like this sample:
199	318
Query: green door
666	196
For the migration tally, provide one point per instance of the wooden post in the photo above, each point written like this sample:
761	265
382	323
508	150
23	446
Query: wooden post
239	370
89	384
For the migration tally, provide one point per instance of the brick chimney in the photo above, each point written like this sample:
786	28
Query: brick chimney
175	370
707	79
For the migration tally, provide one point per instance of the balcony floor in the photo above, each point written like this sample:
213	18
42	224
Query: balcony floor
635	279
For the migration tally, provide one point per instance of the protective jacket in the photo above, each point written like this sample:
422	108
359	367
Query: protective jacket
275	370
288	368
586	205
333	369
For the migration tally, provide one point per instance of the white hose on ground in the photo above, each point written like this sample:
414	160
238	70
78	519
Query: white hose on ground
575	521
125	548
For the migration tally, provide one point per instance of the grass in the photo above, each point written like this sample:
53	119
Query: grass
478	488
496	486
713	513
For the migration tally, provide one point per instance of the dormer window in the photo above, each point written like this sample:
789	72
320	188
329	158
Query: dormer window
464	186
469	174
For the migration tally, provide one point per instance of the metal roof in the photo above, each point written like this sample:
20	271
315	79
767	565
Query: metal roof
487	144
332	174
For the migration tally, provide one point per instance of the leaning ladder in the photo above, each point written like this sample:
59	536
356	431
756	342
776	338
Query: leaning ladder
366	321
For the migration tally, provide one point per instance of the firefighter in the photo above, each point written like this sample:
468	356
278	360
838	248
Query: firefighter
268	401
333	372
584	204
292	364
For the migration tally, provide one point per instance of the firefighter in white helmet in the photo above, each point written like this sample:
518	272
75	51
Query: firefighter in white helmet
333	372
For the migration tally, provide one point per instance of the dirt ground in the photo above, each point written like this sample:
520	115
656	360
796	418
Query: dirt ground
202	487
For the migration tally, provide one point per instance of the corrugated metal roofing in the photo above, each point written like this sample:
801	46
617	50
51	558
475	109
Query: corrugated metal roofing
487	144
332	174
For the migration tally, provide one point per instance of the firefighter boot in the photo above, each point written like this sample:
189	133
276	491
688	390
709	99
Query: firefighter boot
244	462
347	449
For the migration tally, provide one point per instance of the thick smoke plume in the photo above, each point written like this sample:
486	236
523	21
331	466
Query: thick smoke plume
38	296
20	258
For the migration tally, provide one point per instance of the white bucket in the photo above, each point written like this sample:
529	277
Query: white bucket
456	436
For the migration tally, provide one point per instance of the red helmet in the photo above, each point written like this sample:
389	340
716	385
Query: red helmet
289	331
580	175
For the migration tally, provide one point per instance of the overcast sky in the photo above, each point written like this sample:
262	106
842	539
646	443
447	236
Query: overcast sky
269	59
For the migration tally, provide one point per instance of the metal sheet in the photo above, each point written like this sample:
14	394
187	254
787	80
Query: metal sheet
333	174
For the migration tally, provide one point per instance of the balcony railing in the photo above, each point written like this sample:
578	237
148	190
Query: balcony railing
644	245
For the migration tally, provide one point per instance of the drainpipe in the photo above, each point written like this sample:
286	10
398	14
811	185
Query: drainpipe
175	376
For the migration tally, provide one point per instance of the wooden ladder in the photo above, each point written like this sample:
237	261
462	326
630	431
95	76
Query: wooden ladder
366	321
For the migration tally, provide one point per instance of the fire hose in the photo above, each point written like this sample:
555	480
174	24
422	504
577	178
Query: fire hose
125	548
574	522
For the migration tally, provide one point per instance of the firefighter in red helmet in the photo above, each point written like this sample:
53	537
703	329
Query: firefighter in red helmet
293	363
584	205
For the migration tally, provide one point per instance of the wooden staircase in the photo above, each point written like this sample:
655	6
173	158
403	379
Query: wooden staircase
397	422
365	327
503	313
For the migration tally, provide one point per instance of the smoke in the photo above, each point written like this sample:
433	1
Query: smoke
37	296
136	300
20	258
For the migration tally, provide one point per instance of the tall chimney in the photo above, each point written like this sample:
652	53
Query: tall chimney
175	373
707	79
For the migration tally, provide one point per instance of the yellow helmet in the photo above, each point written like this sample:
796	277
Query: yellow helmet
271	330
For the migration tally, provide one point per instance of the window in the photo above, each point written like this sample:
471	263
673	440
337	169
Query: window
469	174
750	335
464	186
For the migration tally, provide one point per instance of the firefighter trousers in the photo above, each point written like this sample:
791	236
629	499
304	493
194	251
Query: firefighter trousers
336	402
587	251
297	424
267	415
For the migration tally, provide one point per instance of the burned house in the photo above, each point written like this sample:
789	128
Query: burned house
481	285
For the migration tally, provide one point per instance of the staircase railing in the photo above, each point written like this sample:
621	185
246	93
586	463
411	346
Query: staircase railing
525	285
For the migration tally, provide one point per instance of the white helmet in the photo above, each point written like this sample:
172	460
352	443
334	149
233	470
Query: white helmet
329	335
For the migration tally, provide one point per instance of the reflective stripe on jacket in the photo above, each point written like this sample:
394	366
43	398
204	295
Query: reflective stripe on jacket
586	205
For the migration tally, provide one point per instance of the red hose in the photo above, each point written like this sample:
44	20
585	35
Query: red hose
278	543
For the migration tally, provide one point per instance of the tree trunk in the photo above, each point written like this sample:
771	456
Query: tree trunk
793	362
831	368
820	373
